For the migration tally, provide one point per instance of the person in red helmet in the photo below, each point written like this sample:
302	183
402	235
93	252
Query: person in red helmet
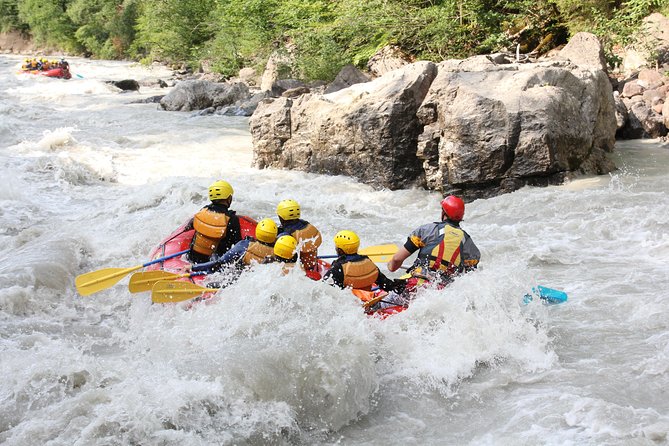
443	247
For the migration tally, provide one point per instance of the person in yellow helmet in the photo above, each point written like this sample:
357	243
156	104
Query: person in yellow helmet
248	251
306	234
286	252
285	249
352	270
217	227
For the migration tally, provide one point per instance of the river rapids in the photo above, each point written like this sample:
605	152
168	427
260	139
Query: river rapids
91	181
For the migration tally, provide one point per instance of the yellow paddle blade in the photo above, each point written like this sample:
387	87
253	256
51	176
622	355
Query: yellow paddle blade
379	253
167	291
371	302
89	283
144	280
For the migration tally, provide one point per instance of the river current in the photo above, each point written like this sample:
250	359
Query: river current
91	181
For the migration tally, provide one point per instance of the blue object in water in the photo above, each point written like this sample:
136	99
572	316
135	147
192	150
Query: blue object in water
548	295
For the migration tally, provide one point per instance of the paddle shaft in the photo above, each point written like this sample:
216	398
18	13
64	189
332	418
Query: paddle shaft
94	281
134	268
171	256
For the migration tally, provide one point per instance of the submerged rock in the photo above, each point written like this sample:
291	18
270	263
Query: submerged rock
126	84
200	94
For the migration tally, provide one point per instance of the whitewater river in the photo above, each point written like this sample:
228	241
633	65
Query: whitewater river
90	181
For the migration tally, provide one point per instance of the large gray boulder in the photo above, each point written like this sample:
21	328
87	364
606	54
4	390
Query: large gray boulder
584	50
200	94
502	127
367	131
471	127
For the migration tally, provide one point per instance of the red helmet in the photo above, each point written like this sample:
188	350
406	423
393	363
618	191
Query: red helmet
453	207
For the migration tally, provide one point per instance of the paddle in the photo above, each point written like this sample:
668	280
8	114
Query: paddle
89	283
144	280
373	301
377	253
171	292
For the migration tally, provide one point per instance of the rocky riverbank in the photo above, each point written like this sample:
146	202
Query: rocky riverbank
476	127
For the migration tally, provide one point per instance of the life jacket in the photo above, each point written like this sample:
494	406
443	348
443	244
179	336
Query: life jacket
310	236
257	252
360	274
444	255
210	228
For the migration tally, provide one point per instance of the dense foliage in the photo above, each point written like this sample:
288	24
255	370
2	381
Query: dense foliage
317	36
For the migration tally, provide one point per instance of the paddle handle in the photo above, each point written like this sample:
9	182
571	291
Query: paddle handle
171	256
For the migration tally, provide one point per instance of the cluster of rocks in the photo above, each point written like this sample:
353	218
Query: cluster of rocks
641	94
642	106
476	127
15	42
206	93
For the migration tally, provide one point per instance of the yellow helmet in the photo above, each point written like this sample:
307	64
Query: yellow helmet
288	210
266	230
347	241
285	247
220	190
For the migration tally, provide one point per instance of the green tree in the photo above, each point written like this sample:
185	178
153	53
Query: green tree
9	16
105	28
173	30
321	35
48	22
245	32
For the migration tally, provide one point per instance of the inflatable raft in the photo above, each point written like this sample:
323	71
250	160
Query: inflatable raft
180	240
58	73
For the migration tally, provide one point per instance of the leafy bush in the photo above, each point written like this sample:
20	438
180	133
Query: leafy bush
320	35
48	22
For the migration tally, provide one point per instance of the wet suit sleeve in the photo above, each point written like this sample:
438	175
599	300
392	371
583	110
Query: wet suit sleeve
470	253
415	241
335	274
235	253
410	245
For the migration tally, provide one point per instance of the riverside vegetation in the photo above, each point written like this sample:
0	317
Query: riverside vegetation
322	36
